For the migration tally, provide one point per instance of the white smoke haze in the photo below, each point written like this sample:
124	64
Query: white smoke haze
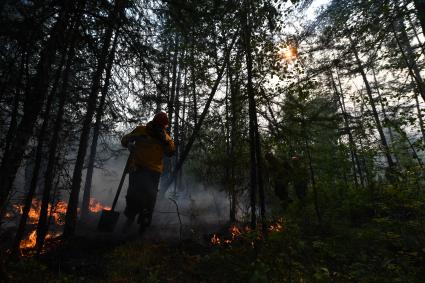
202	209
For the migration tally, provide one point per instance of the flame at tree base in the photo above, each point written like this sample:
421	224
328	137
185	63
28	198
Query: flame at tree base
56	213
236	233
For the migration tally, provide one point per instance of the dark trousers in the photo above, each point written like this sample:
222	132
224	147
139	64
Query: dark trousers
141	194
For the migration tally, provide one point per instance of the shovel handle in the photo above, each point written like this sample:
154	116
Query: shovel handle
121	183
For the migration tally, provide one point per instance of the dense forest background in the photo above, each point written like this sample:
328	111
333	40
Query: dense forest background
310	121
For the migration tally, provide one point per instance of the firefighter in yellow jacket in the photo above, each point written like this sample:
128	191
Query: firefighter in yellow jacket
148	145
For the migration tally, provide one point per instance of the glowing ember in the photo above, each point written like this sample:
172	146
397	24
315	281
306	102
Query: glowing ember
234	231
96	206
8	215
59	212
215	240
277	227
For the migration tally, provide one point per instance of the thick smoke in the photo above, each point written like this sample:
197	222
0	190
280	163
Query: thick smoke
202	210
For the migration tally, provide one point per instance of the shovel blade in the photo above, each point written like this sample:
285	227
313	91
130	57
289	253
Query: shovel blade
108	220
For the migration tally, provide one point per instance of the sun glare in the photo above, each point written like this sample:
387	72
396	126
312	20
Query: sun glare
288	53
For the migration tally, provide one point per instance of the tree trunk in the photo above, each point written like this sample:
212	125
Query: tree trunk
234	140
387	121
71	213
193	81
50	168
201	118
16	102
352	145
312	175
383	139
33	103
176	127
171	98
420	11
420	119
96	131
37	163
252	116
415	31
409	57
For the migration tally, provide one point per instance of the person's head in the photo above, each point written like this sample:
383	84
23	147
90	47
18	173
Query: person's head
161	119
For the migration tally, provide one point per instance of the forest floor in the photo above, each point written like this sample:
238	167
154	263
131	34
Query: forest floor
117	258
152	257
378	240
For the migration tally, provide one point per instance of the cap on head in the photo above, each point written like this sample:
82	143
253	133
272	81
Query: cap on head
161	119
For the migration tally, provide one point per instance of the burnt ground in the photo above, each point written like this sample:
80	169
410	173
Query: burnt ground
90	256
167	251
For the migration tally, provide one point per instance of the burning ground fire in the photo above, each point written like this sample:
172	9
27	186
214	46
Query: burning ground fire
236	232
56	214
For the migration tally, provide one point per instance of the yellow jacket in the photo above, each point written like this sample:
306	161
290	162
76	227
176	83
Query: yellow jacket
149	150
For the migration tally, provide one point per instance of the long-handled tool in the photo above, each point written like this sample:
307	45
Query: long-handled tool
109	218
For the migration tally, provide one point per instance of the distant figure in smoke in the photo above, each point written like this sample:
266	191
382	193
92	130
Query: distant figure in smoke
147	145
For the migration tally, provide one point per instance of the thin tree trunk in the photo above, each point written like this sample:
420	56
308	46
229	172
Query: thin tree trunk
233	140
193	80
384	113
384	143
176	104
71	213
201	119
352	146
420	119
252	116
312	176
409	56
37	163
33	103
413	26
227	133
171	98
96	131
50	168
16	101
420	11
352	142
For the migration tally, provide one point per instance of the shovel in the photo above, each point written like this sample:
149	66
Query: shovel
109	218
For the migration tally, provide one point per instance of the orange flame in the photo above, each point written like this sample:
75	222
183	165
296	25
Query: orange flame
57	214
95	206
215	240
29	242
236	232
277	227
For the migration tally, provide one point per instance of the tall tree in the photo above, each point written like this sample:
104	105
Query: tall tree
34	100
112	20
